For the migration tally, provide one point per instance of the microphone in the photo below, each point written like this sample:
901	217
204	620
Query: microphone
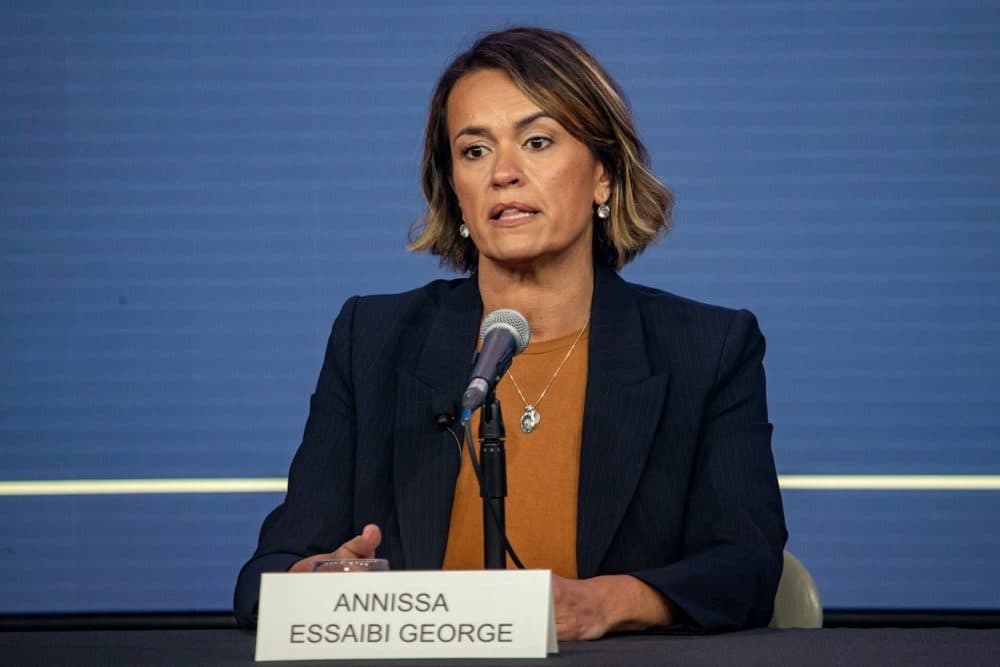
504	333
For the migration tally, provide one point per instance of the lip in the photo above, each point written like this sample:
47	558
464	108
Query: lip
520	207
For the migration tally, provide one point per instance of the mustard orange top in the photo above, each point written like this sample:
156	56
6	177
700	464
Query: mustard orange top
542	466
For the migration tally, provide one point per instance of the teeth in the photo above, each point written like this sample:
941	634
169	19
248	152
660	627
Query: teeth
513	214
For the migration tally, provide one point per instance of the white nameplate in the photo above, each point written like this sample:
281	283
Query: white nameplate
406	614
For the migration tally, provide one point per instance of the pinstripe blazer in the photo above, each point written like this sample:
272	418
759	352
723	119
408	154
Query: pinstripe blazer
677	481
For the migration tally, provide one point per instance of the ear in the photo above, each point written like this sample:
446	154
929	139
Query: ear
602	183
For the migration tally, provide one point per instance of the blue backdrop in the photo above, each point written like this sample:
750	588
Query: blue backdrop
189	191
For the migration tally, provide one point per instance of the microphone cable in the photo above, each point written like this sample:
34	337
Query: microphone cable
474	460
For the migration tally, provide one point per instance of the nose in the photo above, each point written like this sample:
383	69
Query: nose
506	168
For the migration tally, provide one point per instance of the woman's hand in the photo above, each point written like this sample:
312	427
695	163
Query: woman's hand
590	608
362	546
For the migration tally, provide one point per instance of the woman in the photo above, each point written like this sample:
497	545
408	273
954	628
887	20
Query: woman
642	474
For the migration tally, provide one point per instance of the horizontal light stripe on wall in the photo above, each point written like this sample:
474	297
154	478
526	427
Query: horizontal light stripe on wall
891	482
84	487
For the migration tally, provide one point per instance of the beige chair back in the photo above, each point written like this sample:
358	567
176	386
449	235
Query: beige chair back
797	604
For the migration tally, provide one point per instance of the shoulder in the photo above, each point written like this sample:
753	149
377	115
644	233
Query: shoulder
678	327
668	311
385	308
380	318
434	292
376	331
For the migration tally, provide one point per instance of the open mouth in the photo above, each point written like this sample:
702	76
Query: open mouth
508	212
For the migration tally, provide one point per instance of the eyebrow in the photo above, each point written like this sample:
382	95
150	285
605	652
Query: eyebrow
478	130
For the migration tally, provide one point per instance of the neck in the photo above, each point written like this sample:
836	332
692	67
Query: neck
555	300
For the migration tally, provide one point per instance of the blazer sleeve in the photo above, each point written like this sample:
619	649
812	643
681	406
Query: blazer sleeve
316	515
734	528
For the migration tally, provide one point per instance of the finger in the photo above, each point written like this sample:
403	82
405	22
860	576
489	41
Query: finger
566	632
362	546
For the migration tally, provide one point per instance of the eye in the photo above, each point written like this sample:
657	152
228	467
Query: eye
538	143
474	152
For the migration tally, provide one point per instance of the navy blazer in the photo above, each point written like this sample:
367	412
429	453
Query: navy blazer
677	481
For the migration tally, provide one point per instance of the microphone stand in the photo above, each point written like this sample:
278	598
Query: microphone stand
493	469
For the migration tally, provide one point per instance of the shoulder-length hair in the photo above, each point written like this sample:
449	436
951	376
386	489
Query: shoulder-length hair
555	72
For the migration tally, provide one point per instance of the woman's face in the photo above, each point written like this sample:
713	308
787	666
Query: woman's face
526	187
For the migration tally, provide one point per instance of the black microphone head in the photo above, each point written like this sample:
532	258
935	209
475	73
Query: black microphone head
511	320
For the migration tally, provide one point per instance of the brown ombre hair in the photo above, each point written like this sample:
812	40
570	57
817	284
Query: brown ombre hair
555	72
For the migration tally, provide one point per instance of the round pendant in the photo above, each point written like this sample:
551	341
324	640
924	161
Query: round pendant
530	419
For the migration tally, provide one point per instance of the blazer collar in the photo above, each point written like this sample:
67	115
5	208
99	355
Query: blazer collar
621	413
616	330
446	357
425	458
617	342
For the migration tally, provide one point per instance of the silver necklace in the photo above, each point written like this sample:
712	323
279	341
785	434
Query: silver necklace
530	417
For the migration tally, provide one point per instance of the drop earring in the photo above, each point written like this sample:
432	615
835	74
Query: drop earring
463	231
603	211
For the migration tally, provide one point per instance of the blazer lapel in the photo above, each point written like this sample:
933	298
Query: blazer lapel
621	412
425	457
